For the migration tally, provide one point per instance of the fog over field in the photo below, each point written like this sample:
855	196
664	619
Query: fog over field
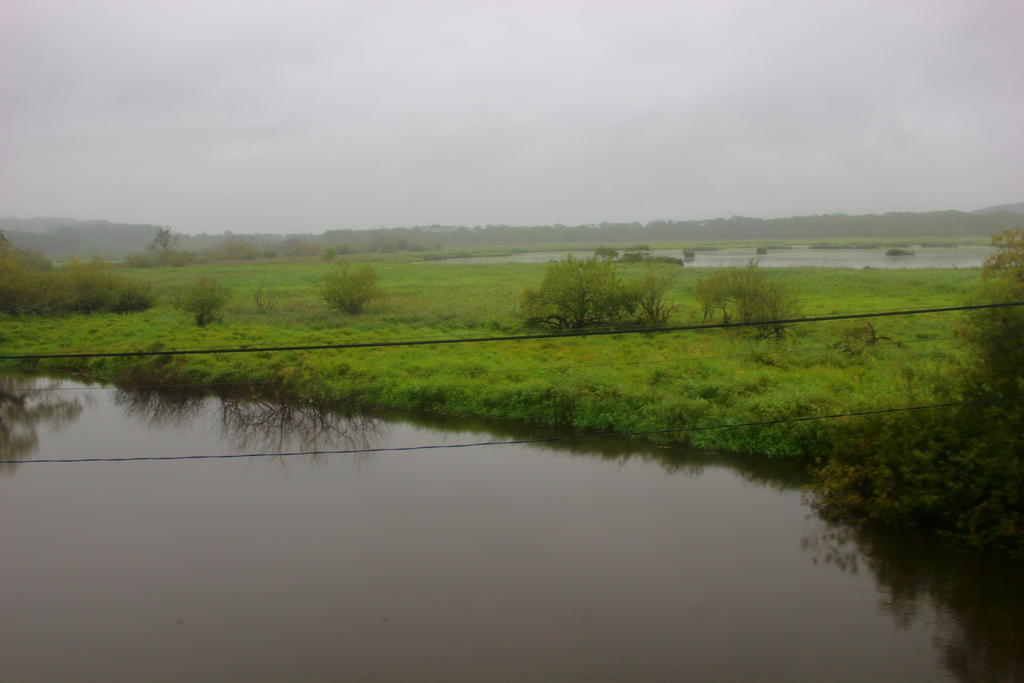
307	116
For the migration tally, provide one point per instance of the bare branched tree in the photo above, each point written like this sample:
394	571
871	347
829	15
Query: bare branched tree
163	242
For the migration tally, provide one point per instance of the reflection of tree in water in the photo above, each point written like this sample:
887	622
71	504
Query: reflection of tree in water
264	422
978	598
24	406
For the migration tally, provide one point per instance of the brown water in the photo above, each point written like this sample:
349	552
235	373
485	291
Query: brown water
593	560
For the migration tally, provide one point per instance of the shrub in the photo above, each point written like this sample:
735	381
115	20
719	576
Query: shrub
264	297
959	470
205	300
89	288
857	338
637	254
179	259
75	288
576	294
235	248
649	294
996	335
133	296
748	295
139	261
172	257
349	289
19	289
31	261
1007	261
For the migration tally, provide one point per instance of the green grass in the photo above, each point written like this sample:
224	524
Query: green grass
625	383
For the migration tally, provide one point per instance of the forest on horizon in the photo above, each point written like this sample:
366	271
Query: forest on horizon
64	237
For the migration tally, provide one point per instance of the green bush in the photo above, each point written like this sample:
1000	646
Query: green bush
205	300
139	261
747	295
649	293
349	289
75	288
961	469
265	297
19	291
576	294
89	288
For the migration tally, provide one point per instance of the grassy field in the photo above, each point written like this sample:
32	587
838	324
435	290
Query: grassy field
625	383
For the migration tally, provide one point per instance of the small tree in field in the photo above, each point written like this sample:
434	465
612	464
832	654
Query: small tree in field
748	295
650	291
350	290
205	299
163	243
576	294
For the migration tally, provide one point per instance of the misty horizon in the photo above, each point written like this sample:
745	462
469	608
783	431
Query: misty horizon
49	223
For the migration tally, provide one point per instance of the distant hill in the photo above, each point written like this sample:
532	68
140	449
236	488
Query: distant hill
1009	208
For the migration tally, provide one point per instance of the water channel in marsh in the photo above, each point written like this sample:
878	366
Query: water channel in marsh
962	256
591	559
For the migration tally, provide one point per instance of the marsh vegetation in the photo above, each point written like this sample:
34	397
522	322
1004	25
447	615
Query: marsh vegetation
652	382
31	285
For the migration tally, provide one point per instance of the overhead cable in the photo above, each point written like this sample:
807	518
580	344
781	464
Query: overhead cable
521	337
474	371
519	442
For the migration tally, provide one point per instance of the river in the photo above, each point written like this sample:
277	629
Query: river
593	559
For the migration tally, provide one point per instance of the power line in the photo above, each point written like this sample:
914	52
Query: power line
521	337
520	442
425	372
606	327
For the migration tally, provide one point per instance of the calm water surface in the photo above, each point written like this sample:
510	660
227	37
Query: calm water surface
595	560
967	256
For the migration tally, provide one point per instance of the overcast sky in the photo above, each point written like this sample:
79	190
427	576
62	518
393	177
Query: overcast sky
296	115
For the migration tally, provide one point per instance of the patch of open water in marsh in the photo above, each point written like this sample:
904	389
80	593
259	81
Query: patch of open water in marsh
966	256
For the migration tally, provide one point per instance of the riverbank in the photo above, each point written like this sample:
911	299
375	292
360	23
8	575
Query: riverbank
625	384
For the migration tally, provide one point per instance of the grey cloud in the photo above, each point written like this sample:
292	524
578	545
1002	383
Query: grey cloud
314	115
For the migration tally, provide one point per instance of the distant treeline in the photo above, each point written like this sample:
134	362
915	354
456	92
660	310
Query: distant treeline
833	226
66	237
70	237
